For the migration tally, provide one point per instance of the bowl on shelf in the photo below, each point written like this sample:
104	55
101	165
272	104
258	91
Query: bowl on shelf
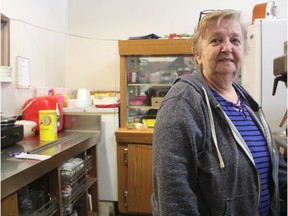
106	102
137	102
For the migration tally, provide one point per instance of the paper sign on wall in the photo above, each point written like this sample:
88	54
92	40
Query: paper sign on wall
23	72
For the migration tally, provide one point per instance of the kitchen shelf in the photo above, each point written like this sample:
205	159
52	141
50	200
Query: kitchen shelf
150	84
6	79
5	73
142	107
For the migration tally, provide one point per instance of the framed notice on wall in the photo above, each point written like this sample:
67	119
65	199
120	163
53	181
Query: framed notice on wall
23	72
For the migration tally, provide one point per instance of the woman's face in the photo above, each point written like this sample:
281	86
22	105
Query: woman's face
221	49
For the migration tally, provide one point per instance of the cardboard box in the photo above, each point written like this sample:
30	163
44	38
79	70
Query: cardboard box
156	101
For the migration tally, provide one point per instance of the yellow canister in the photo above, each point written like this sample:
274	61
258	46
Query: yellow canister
48	125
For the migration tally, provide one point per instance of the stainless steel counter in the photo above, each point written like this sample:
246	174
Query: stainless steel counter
16	173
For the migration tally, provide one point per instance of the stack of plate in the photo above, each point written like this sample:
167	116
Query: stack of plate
5	71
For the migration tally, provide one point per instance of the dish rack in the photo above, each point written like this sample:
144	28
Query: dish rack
74	183
36	202
50	208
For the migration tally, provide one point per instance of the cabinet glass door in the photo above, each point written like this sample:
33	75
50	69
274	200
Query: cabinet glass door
148	80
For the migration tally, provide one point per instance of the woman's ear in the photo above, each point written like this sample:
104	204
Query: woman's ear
197	57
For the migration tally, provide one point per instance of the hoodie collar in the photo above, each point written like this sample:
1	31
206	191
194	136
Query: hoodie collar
197	80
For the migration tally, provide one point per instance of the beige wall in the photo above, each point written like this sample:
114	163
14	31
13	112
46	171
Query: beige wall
93	61
37	32
74	43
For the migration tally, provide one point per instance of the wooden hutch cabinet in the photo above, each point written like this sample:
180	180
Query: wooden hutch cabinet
148	69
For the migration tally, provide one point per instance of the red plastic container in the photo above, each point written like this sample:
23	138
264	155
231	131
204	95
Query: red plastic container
33	105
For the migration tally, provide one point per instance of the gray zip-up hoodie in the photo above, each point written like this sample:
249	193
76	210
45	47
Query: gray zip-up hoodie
201	164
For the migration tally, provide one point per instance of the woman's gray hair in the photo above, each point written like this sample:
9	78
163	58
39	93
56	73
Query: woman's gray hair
214	18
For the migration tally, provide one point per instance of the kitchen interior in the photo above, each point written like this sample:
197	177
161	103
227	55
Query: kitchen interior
99	72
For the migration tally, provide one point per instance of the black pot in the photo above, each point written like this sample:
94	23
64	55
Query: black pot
7	121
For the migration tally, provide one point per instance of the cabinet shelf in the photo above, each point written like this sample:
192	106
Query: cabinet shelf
150	84
142	107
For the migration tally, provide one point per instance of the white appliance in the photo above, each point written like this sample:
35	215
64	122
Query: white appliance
106	151
266	42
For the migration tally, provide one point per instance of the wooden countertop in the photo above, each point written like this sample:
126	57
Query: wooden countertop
132	135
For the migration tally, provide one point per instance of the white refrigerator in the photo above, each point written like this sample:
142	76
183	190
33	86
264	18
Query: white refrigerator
266	42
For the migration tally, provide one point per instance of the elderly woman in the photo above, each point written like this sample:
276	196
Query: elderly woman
213	152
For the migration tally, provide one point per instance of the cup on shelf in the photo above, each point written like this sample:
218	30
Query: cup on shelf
83	98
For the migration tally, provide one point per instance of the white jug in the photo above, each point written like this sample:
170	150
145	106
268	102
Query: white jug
83	98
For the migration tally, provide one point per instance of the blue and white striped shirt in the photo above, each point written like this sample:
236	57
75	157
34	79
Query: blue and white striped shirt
256	143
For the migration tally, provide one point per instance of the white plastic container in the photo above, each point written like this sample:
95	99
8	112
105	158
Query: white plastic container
29	127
